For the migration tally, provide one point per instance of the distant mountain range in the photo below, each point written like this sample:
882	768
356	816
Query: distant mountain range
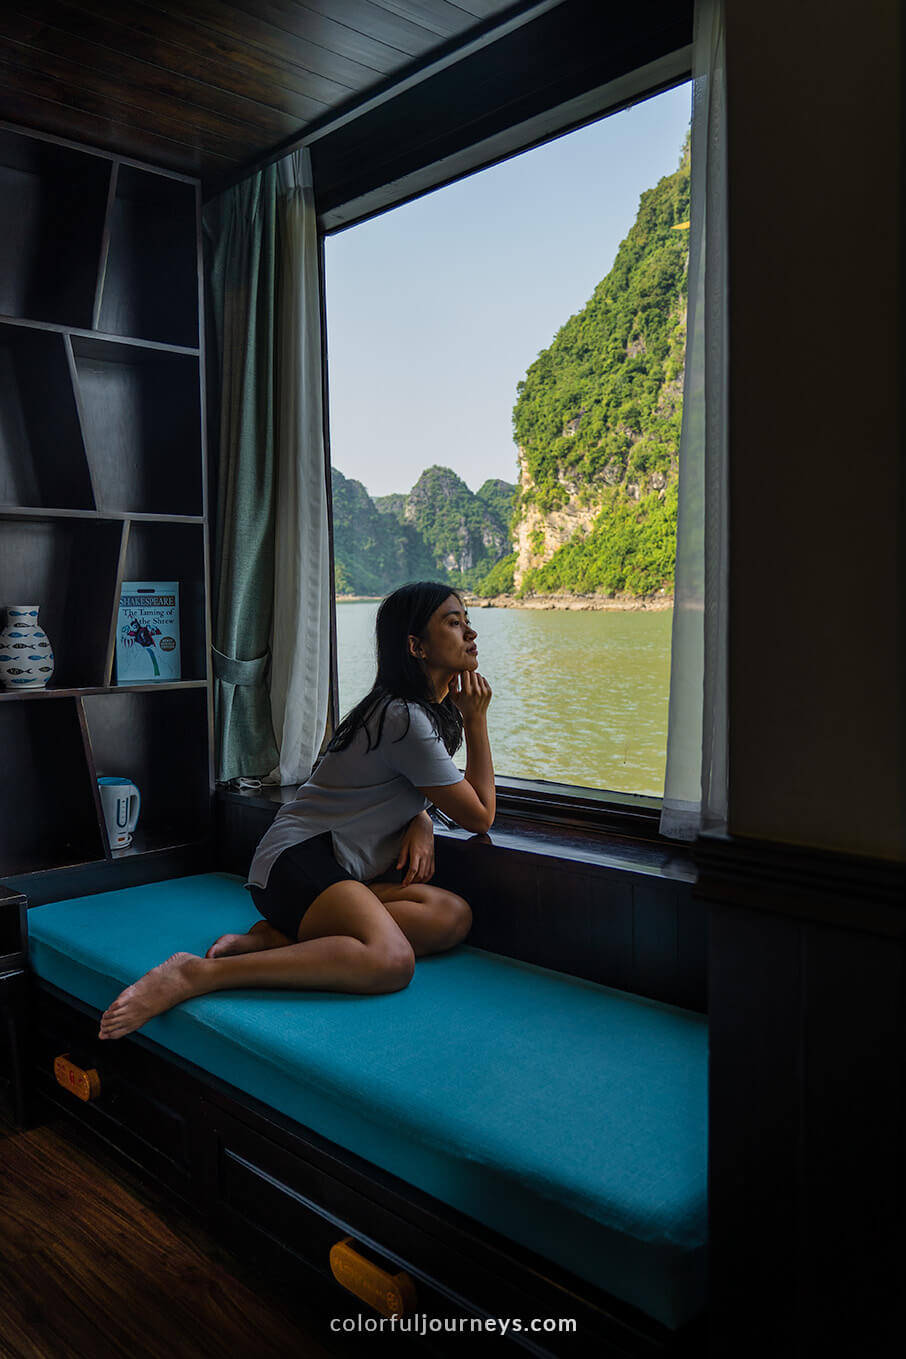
439	530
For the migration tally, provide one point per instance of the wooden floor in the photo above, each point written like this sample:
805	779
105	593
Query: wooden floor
94	1265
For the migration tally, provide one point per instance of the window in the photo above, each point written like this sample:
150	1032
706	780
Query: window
505	380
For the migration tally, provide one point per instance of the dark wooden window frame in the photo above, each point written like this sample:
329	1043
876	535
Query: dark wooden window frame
549	803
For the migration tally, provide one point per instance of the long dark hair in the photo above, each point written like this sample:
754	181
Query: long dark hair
400	674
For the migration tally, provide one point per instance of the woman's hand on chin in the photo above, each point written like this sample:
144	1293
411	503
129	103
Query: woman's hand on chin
471	693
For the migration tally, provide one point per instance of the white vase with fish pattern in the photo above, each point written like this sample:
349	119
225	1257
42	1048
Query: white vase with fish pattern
26	656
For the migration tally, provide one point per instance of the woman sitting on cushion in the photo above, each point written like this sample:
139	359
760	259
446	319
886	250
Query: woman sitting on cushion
338	914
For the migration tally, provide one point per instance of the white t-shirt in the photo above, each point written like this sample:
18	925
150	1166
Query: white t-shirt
365	798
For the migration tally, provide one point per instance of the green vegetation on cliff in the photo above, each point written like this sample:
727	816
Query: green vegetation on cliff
462	531
630	549
500	498
373	552
598	414
440	531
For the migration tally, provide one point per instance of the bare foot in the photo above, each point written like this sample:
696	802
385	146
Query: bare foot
260	936
160	989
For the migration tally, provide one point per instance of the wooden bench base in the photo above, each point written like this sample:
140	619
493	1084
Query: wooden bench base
270	1186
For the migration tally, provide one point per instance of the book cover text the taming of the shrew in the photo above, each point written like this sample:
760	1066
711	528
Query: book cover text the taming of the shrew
147	632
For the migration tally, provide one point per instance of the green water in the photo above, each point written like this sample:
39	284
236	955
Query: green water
579	698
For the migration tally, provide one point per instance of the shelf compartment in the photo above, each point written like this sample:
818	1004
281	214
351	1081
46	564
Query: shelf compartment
141	417
47	803
68	567
52	206
31	695
175	552
150	283
159	740
42	455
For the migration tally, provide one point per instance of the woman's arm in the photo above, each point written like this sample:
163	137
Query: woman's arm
472	803
417	849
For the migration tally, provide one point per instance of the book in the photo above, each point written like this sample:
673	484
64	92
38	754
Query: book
147	632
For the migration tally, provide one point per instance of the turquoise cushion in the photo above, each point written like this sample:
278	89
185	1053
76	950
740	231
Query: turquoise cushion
568	1116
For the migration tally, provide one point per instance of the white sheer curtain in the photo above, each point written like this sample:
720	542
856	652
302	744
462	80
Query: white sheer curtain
695	787
300	664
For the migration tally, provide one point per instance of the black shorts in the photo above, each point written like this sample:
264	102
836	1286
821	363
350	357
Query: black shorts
298	875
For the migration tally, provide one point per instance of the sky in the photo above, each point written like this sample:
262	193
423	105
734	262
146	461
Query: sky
436	309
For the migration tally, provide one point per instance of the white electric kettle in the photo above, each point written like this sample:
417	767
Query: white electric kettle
121	802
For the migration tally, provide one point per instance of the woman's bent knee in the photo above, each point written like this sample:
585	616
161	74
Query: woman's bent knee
393	966
457	918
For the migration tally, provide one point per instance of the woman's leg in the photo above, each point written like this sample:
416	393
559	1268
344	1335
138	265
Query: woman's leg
347	942
260	936
431	918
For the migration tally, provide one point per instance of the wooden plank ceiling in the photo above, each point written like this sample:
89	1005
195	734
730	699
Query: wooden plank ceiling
207	87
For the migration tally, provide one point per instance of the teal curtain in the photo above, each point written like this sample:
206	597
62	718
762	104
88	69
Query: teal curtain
241	244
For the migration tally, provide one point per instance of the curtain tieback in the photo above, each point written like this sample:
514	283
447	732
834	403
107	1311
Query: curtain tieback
233	671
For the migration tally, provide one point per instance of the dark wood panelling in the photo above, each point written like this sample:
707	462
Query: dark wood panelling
13	1002
405	24
322	74
179	46
807	993
609	925
207	87
40	104
691	950
753	1134
13	928
367	38
851	1252
580	45
97	42
139	84
655	929
811	884
113	97
572	921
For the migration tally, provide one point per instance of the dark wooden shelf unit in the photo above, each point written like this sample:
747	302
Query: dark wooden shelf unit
159	741
101	481
43	695
141	417
175	552
53	202
47	798
42	453
149	283
69	568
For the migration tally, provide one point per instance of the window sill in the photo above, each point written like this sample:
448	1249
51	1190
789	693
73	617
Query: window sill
601	849
620	836
586	808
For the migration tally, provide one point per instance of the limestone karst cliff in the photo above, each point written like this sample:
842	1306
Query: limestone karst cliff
439	530
597	420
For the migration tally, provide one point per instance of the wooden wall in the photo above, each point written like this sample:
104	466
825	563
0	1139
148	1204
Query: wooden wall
807	962
816	425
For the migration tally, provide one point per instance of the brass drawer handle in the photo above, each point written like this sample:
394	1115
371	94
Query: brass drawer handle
84	1084
389	1294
